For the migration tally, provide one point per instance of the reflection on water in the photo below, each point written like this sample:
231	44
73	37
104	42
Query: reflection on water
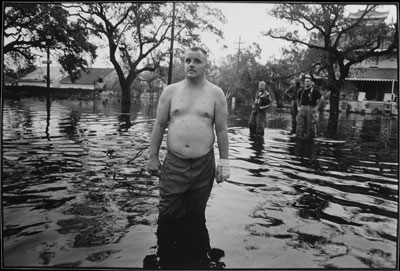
76	193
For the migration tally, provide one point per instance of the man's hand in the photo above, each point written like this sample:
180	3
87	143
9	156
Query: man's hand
154	167
223	171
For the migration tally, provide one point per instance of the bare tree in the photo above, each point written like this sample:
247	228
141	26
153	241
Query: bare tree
137	33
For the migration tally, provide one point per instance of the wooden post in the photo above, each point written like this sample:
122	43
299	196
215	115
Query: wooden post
171	53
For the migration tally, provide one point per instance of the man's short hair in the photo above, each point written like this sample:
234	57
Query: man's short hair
307	77
196	49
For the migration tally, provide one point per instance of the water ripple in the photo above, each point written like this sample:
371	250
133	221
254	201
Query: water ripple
78	174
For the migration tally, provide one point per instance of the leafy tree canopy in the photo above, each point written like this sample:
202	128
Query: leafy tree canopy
30	28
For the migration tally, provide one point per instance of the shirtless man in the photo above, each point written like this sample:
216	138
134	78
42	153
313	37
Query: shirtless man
191	109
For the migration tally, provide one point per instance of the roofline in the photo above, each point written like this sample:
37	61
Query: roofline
371	79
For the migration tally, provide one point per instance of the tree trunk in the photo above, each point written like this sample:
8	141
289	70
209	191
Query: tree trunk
126	96
334	86
278	97
333	114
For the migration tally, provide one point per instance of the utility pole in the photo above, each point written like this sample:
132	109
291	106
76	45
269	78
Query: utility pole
48	63
237	77
171	49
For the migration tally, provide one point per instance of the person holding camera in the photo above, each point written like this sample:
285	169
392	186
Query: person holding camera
258	116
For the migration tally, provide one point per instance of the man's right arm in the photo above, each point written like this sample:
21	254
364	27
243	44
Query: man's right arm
162	117
289	92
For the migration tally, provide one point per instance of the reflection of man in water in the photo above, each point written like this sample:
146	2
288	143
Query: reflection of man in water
191	108
307	118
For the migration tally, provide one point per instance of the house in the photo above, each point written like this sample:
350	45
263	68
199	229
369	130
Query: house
94	79
375	79
373	17
38	77
372	86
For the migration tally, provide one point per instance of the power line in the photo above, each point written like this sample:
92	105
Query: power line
231	93
238	59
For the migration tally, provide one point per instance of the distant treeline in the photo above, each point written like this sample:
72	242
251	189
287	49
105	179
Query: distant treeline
17	92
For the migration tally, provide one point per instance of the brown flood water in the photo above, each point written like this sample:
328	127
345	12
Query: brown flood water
76	194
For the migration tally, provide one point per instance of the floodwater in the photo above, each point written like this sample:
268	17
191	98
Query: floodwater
75	191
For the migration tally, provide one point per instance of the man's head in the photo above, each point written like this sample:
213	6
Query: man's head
297	81
195	63
262	85
307	81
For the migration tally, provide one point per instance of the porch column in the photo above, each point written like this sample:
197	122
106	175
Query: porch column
392	89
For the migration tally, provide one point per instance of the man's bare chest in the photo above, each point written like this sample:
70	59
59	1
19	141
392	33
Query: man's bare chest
186	105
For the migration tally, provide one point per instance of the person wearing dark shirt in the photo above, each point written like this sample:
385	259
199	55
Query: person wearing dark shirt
262	101
307	117
292	92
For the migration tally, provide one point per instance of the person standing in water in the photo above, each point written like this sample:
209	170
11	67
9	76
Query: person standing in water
262	101
308	116
292	92
191	109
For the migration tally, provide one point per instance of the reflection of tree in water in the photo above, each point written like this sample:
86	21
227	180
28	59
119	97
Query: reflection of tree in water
124	118
17	118
316	155
370	130
48	106
70	127
312	203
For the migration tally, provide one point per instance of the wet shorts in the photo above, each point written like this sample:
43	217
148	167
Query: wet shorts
185	184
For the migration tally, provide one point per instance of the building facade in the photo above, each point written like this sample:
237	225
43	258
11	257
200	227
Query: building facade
94	79
374	81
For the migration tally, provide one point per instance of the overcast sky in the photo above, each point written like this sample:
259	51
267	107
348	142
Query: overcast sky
246	21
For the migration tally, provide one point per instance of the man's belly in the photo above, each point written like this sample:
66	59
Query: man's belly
190	137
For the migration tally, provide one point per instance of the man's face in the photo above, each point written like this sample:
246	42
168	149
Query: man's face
307	82
262	86
195	64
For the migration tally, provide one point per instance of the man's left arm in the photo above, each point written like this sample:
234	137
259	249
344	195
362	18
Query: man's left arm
265	106
221	129
318	99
